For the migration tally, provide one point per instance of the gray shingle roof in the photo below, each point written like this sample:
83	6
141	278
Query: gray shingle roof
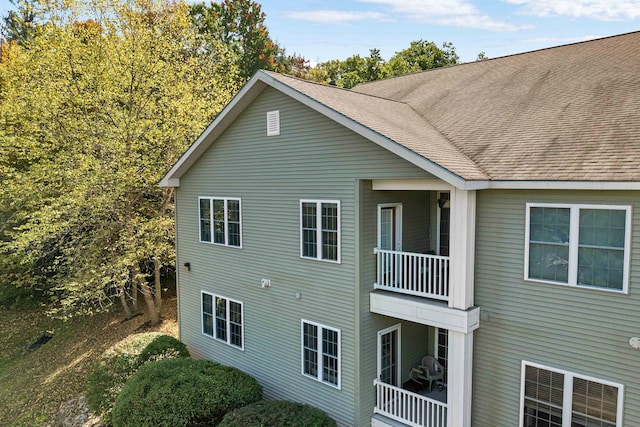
569	113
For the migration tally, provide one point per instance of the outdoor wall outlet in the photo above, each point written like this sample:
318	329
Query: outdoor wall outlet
265	283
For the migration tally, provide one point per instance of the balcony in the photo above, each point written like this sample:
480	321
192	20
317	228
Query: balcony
409	408
414	274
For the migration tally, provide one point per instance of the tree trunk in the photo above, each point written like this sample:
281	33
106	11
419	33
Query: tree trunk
154	316
158	285
125	306
133	296
152	311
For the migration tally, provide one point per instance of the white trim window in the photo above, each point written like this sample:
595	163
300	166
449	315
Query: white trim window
320	230
556	398
578	245
220	221
223	319
321	353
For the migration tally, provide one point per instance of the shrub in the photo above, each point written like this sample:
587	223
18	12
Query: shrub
183	392
163	347
277	413
109	373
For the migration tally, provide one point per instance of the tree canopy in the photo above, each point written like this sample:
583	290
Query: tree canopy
94	111
420	55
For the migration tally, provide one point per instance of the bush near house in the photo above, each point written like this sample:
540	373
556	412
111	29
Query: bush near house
116	365
277	413
183	392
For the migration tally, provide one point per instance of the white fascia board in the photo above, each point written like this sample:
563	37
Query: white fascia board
564	185
411	184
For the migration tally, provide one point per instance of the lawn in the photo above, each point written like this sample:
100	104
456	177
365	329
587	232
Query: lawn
34	383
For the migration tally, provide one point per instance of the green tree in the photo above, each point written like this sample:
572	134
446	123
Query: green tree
93	113
352	71
239	25
420	55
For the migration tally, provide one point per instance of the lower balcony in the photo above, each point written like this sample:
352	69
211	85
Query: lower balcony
402	407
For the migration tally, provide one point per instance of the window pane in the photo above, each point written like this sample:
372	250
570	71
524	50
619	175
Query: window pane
543	397
207	314
594	404
234	234
549	262
330	356
330	216
207	324
330	245
310	346
602	227
235	320
330	231
233	220
205	220
549	225
221	319
218	221
601	248
309	232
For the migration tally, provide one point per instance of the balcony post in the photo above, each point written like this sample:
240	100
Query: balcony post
462	248
459	378
461	296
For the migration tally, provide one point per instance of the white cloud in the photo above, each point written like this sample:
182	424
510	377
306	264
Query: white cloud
459	13
335	16
604	10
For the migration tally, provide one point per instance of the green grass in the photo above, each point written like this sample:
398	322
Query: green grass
33	384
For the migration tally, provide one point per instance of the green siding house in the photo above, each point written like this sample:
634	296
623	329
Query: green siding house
486	215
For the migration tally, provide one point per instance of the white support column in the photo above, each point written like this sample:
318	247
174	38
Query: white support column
461	296
462	248
460	364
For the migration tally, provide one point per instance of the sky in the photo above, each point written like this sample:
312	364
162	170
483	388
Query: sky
321	30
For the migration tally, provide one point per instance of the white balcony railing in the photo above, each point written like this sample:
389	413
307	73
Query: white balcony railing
414	274
409	408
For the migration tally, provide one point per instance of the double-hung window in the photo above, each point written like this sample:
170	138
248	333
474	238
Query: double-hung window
321	353
578	245
222	319
220	221
557	398
320	230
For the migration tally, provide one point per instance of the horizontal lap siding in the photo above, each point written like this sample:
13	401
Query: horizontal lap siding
313	158
581	330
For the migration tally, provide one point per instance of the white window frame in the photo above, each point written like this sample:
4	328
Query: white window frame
319	240
226	221
568	392
228	302
574	232
320	353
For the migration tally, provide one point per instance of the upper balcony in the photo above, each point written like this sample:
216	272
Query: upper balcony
421	275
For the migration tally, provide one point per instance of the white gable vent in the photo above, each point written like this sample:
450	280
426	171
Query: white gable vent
273	123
